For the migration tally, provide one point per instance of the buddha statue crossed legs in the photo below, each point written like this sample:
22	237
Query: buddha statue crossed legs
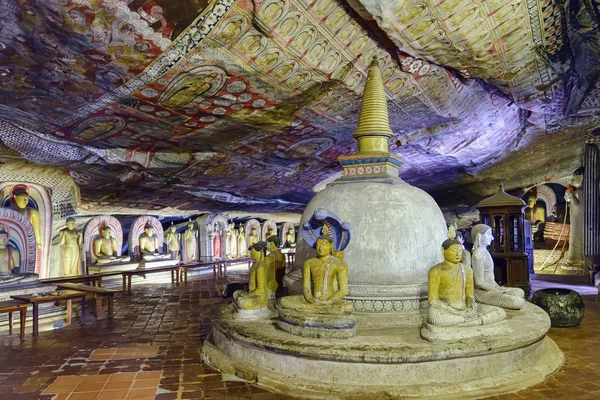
104	248
487	291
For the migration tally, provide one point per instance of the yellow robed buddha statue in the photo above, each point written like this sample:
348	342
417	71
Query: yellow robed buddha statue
104	248
451	293
257	294
325	280
21	198
173	239
276	265
253	237
149	246
70	240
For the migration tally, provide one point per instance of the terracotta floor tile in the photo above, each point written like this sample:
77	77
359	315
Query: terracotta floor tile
96	378
83	396
105	351
62	396
55	388
149	375
112	395
122	356
69	379
145	383
125	350
128	376
117	385
141	393
89	387
100	357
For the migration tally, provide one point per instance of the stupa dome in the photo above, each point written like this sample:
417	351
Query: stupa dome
397	229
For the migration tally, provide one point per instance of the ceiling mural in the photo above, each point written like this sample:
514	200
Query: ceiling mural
247	104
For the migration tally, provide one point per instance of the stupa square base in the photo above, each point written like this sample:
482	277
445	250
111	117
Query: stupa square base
317	325
384	362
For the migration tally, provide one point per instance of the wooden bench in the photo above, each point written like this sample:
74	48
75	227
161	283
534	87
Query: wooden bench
67	295
174	269
10	306
94	280
98	292
219	267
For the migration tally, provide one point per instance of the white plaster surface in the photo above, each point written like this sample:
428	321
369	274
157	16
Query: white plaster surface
392	362
397	233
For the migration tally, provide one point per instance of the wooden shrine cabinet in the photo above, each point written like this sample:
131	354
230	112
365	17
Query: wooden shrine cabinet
512	247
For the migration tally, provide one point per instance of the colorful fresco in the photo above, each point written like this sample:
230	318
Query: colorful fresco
247	105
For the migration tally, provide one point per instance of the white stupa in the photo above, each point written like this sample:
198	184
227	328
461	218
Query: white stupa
397	229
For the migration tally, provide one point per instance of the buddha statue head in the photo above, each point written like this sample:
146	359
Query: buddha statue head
324	246
273	243
253	231
106	232
149	230
452	250
21	197
216	228
258	251
531	200
482	235
190	225
70	223
577	179
173	229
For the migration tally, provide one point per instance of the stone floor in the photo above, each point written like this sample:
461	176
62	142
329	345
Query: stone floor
151	349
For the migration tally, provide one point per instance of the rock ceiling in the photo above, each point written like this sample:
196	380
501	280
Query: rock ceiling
247	104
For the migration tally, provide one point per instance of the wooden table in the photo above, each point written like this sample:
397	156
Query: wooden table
11	306
174	269
98	292
67	295
94	280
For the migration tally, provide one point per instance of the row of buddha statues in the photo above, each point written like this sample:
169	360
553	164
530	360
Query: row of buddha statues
29	252
462	291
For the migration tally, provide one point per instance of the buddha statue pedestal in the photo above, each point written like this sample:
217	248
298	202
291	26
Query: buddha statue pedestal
321	311
253	313
317	325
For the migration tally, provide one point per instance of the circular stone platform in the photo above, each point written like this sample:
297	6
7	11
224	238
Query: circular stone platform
383	362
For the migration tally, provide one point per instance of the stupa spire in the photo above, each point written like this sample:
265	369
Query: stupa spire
373	124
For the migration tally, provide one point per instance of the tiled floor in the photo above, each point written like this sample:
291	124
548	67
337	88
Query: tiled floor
165	326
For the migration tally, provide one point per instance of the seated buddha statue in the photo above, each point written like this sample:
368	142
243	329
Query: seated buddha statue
275	264
104	248
148	245
325	283
253	237
10	258
256	296
487	291
10	262
451	294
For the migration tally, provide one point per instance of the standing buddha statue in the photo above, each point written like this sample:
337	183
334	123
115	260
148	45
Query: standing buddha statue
70	240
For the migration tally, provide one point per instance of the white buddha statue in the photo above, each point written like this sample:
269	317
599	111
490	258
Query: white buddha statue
487	291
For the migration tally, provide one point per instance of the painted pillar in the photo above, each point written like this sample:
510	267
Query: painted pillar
591	191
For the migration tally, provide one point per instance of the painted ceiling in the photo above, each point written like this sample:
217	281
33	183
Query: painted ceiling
246	105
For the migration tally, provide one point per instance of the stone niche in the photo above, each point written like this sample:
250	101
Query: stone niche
93	230
213	239
137	228
39	203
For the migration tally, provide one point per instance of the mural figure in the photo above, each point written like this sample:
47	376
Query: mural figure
189	88
70	240
172	238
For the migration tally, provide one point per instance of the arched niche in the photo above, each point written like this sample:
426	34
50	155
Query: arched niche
21	237
208	235
93	229
548	196
267	226
137	228
283	234
39	199
252	224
